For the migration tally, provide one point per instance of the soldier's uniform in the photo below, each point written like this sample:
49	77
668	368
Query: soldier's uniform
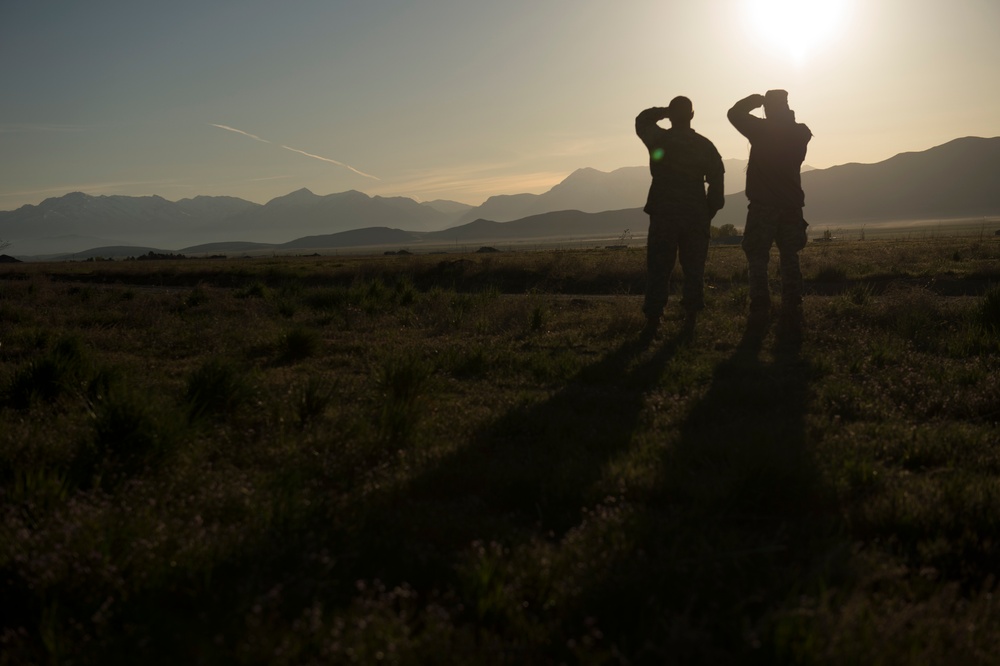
681	162
774	188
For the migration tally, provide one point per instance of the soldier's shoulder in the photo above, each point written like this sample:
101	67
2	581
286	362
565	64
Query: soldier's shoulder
705	142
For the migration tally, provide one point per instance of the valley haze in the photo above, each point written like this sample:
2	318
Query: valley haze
956	180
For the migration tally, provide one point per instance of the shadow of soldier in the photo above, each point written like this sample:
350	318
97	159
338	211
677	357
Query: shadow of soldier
538	464
739	526
524	479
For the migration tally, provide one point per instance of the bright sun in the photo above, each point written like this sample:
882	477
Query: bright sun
796	28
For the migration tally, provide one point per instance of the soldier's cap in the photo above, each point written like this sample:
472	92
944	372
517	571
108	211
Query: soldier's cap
776	99
680	107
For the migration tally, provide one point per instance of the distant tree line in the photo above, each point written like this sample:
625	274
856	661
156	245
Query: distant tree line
725	231
156	255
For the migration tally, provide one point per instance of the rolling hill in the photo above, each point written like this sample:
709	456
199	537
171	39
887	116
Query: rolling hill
954	180
959	179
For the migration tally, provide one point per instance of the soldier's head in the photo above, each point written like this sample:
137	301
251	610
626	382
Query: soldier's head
681	111
776	105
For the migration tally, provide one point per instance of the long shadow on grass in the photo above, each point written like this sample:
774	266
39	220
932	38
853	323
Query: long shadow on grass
697	570
523	477
737	531
705	568
529	472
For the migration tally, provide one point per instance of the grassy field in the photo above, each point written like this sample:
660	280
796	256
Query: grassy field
473	459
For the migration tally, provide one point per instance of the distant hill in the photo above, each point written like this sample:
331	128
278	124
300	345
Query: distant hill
354	238
566	224
59	245
589	191
77	222
224	247
957	179
452	208
557	224
305	212
585	190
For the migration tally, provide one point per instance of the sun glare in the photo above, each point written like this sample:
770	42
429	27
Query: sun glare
796	28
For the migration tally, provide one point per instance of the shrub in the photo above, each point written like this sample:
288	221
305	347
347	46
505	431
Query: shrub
740	297
313	398
988	314
49	377
472	361
197	297
860	294
372	296
286	308
253	290
332	298
299	343
216	387
127	438
552	365
911	313
406	292
831	274
538	318
401	380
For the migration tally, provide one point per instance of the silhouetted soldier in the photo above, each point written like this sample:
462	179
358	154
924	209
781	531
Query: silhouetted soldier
680	209
774	216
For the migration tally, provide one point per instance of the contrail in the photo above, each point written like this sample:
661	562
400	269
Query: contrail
295	150
327	159
233	129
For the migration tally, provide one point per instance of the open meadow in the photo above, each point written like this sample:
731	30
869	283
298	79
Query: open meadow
473	459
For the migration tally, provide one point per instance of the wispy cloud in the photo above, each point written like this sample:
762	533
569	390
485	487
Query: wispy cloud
129	188
327	159
296	150
263	178
88	188
239	131
581	146
475	184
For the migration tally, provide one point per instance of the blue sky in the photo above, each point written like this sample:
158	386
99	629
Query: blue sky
457	99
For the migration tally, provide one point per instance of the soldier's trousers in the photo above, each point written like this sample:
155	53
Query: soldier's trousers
673	237
785	228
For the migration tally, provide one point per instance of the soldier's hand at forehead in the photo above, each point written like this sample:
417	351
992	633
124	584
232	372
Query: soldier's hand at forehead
758	100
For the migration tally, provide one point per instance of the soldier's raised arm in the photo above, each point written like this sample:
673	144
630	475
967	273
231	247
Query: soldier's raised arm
740	115
645	122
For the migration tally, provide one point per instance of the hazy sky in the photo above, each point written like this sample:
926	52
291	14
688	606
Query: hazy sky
458	99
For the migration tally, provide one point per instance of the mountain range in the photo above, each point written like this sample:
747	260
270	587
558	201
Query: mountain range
958	179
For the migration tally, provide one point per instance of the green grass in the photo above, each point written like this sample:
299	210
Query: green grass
468	460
